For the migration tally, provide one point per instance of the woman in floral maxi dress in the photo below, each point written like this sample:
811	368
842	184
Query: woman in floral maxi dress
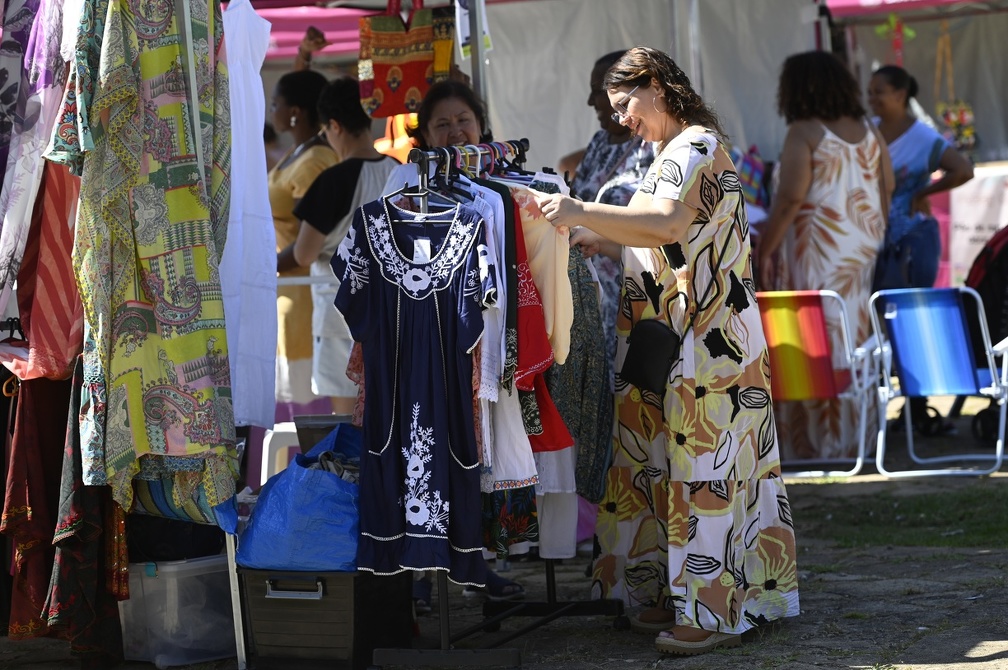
825	230
695	520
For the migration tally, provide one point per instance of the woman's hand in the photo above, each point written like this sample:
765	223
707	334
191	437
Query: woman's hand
313	40
920	204
589	241
560	210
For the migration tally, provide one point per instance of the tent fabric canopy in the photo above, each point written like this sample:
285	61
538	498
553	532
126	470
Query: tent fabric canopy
843	9
340	26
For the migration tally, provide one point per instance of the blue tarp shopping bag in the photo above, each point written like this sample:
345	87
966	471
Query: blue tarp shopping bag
306	518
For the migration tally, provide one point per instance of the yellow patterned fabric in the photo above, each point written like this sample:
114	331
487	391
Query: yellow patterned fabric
695	516
150	232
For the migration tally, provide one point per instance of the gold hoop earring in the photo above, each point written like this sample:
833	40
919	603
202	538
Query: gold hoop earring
654	103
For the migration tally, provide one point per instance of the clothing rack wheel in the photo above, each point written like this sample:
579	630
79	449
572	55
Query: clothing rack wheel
446	656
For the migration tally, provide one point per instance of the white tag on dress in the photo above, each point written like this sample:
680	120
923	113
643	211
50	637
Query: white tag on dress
421	250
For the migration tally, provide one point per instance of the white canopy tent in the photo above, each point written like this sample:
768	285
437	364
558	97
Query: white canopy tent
536	75
977	31
543	52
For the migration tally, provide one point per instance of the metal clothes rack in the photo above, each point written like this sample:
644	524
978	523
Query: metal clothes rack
445	655
493	612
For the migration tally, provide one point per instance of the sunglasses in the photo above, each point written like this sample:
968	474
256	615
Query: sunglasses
621	107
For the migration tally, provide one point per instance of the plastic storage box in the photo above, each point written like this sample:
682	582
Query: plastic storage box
179	612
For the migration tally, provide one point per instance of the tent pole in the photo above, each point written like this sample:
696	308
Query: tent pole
476	9
696	65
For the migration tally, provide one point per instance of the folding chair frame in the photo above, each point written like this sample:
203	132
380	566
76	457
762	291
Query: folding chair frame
997	391
863	366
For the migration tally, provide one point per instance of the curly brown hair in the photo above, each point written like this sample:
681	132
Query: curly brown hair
638	66
817	85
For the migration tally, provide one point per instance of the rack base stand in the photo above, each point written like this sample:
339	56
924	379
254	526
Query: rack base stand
446	656
547	611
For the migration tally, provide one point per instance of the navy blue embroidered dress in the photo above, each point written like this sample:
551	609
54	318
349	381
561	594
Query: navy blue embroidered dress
412	292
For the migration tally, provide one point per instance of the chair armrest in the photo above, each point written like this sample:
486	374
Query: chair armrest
869	346
1001	348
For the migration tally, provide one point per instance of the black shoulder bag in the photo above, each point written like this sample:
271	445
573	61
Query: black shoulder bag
653	347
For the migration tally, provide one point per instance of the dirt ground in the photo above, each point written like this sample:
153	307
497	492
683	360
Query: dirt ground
880	608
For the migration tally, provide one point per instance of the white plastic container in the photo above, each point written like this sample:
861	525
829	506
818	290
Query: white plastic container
178	613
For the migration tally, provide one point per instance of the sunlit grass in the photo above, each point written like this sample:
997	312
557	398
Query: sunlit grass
970	516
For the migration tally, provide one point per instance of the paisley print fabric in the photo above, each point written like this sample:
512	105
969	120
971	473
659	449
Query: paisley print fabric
833	244
695	516
610	174
148	128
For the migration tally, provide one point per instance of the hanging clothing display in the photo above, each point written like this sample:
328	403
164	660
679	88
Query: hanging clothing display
579	386
49	304
525	330
146	121
248	281
90	572
412	289
33	483
30	99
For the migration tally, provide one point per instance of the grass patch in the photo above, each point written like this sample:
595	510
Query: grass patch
963	517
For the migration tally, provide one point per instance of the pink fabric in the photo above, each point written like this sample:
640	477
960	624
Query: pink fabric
340	26
587	513
940	208
840	8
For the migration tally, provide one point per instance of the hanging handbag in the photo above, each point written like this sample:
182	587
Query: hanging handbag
396	64
956	114
653	347
751	170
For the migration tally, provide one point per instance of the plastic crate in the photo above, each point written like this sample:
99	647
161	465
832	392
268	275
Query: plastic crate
328	619
179	612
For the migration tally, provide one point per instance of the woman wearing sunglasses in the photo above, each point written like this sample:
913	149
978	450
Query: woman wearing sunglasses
695	524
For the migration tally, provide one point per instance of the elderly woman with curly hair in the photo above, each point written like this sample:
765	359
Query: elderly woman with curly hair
826	226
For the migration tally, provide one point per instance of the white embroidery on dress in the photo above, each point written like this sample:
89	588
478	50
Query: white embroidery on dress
349	251
423	507
419	280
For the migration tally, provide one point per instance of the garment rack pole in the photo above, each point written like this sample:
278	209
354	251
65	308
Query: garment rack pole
424	157
445	655
493	612
551	608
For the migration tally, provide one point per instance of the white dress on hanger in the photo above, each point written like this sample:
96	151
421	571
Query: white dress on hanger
248	267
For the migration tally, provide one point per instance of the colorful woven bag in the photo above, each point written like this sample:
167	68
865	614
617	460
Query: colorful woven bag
751	168
396	64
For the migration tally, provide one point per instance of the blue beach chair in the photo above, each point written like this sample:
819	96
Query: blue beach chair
924	342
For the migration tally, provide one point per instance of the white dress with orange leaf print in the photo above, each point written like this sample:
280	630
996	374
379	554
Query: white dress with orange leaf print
695	516
833	244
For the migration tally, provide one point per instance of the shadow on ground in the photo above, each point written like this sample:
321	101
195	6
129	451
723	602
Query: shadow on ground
876	606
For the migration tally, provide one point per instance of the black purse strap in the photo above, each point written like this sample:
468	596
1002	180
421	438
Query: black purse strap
710	284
